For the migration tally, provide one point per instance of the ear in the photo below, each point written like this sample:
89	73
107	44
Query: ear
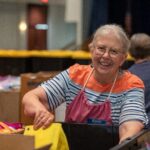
91	48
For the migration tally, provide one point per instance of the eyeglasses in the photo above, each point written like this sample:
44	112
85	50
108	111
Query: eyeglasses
101	50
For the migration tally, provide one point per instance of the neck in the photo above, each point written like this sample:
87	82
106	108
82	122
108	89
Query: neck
105	79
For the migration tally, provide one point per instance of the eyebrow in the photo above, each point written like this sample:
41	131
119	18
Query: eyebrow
103	45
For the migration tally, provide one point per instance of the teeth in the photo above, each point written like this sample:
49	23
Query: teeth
104	64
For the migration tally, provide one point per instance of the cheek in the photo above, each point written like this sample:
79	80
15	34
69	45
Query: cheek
95	61
95	57
94	54
121	61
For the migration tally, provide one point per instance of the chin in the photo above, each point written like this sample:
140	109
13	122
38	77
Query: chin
104	71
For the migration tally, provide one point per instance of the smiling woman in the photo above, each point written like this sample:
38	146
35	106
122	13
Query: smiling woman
100	92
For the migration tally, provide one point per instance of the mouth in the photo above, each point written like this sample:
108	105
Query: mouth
105	65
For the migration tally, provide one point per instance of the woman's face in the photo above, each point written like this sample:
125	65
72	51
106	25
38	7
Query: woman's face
107	54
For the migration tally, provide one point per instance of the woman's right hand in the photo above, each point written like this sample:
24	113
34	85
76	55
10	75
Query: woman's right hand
36	106
43	118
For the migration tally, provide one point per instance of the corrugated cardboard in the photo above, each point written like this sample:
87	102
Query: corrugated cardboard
9	106
30	81
18	142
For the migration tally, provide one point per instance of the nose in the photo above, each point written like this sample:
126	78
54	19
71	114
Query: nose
106	53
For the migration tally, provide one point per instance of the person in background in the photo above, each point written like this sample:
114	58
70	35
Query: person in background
97	92
140	51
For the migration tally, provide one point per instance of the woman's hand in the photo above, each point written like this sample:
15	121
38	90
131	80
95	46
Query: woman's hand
36	106
43	118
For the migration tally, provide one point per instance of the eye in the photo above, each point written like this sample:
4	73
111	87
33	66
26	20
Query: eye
114	51
101	48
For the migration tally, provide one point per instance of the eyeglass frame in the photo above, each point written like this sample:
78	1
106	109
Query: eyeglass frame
102	49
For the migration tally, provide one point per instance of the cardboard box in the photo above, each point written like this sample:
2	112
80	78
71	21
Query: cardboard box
18	142
9	106
30	81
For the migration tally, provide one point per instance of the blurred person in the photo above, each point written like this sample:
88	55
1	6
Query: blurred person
99	92
140	51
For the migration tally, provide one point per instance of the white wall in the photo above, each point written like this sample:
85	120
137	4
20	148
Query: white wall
73	13
10	36
60	33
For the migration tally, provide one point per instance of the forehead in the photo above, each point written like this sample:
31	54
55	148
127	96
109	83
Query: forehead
109	40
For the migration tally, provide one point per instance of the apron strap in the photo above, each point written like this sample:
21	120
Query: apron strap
87	79
113	85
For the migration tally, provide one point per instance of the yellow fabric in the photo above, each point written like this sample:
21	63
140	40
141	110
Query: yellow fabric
52	135
78	54
52	53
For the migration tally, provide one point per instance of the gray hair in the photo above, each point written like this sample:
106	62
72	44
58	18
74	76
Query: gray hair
140	45
118	31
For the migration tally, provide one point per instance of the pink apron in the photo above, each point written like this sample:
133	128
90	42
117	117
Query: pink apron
80	109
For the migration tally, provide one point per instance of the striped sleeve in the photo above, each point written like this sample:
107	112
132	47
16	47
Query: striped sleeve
133	107
55	89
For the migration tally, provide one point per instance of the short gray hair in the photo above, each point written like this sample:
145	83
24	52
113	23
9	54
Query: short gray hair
118	32
140	45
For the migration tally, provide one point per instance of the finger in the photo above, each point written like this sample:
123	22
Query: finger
38	125
39	115
37	120
48	122
44	119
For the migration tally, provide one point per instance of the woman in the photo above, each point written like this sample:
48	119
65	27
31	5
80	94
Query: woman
97	92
